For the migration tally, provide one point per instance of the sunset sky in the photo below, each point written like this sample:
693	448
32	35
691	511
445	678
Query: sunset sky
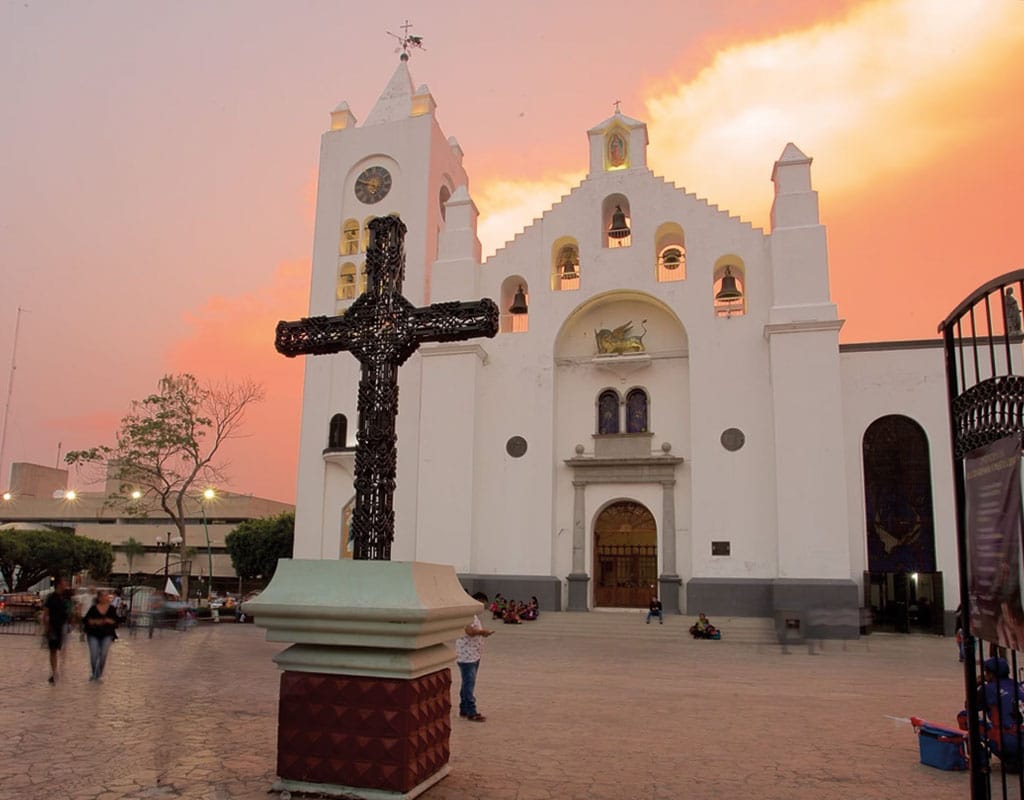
158	165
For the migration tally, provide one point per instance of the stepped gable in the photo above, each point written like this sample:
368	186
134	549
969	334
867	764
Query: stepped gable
708	204
534	221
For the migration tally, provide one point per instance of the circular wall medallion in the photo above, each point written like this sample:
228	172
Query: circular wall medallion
733	439
516	446
373	185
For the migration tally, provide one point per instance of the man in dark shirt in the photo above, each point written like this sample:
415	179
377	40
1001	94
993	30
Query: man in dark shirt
55	620
655	611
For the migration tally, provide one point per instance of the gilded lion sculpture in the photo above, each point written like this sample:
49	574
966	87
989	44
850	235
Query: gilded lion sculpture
619	341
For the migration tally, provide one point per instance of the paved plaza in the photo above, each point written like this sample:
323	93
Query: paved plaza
593	706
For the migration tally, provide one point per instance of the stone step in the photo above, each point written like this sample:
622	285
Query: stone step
629	624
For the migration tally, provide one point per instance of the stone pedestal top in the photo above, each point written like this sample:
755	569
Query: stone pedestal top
390	605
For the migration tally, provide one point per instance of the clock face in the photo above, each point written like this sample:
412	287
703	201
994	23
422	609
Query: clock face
373	185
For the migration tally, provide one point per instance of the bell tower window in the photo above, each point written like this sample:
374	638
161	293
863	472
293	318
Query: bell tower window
670	253
366	233
349	244
616	222
515	305
347	288
565	265
730	287
442	199
337	432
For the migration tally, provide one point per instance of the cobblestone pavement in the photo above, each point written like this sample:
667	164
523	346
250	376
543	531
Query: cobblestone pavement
596	706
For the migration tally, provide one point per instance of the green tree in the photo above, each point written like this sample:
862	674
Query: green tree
26	557
132	549
167	445
257	544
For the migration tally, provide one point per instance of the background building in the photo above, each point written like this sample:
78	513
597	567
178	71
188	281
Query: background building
40	497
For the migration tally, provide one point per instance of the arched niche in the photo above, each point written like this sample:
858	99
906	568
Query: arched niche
349	242
366	231
729	287
670	253
576	337
514	322
565	264
613	204
443	196
347	281
337	432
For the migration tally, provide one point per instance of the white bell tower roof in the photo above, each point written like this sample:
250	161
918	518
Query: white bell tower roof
395	102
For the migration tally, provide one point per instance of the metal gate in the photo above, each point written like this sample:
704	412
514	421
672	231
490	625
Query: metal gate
983	350
626	575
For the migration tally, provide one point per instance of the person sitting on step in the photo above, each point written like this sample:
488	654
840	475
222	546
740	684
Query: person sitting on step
655	611
530	611
703	629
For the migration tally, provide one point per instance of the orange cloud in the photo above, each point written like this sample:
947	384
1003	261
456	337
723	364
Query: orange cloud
233	338
868	95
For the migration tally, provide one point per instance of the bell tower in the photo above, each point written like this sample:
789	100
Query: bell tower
397	162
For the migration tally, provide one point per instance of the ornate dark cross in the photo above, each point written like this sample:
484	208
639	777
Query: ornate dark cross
382	329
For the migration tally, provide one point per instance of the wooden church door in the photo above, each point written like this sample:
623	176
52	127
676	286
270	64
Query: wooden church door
625	556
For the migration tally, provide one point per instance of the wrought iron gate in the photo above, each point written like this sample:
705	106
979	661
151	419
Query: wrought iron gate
984	357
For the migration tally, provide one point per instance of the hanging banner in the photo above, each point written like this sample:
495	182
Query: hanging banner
994	542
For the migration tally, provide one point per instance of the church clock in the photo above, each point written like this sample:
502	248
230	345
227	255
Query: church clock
373	185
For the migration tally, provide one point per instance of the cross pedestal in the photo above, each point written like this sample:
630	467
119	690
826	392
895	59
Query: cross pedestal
365	705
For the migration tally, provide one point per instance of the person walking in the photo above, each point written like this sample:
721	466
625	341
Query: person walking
55	620
100	624
469	648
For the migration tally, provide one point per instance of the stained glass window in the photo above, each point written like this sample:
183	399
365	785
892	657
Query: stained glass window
636	411
608	412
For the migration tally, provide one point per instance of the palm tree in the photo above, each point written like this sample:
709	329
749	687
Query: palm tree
132	548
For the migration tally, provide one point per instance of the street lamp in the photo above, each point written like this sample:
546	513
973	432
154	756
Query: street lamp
208	494
172	540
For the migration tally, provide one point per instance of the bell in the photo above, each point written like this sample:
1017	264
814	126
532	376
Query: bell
567	267
518	302
729	291
618	229
672	258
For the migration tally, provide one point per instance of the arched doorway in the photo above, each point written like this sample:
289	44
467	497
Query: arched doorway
625	556
902	586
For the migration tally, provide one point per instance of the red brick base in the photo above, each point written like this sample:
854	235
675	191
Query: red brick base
372	733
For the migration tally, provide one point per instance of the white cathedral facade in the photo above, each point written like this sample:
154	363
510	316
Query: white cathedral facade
666	408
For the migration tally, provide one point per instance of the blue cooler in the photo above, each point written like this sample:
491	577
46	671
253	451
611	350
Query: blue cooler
941	747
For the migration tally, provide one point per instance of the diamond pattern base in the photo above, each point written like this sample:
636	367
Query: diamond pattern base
387	734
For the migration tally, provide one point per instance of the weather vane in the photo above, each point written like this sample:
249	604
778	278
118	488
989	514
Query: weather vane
406	41
617	103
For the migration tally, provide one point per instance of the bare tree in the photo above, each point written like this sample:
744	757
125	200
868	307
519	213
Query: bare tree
167	445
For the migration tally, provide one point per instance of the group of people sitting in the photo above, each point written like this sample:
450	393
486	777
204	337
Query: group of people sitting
703	629
512	613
